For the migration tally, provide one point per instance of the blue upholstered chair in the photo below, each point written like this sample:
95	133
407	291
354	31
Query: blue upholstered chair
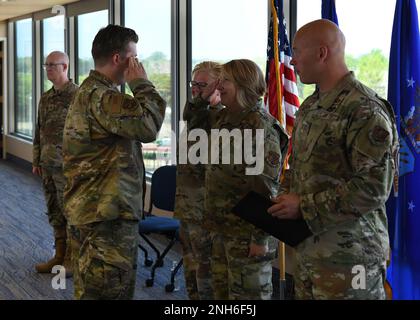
162	196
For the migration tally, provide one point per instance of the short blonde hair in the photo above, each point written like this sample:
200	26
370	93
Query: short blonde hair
248	80
214	69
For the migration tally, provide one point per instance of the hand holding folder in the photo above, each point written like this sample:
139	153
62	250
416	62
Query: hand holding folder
253	209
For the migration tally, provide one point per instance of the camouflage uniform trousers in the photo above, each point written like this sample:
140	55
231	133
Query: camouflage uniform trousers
237	276
196	250
53	182
323	279
105	259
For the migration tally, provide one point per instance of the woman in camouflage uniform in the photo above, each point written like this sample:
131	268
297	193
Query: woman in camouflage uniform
189	201
241	253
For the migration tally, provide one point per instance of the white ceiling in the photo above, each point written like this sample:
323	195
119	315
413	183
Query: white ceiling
15	8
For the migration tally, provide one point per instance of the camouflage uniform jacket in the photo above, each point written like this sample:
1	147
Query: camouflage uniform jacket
189	204
342	166
52	112
226	184
103	163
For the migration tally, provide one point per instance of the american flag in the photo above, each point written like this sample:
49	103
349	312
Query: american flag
282	94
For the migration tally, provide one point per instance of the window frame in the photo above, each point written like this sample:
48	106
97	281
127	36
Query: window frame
41	40
76	41
181	52
15	79
73	11
175	69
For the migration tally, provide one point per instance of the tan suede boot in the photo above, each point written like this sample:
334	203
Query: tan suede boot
60	236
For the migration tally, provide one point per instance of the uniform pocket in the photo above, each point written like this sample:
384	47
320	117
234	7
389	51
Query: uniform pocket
314	132
102	280
78	128
93	278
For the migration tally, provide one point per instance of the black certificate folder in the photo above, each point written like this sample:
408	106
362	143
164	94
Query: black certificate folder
253	209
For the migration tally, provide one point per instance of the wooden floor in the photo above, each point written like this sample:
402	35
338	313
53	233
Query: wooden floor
26	239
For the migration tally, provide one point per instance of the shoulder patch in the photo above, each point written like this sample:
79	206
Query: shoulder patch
116	103
272	159
378	135
112	103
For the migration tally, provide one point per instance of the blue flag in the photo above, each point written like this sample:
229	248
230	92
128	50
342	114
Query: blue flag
328	11
404	206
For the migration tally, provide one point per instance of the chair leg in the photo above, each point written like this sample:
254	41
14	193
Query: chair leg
171	287
158	254
159	261
147	261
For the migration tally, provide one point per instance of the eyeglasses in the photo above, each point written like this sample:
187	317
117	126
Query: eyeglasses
198	84
51	65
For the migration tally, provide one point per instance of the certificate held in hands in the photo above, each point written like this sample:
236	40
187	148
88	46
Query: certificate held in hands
253	209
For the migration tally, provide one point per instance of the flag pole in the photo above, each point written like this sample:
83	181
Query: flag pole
281	248
282	268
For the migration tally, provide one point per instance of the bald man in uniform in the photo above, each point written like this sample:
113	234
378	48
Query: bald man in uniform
341	171
47	153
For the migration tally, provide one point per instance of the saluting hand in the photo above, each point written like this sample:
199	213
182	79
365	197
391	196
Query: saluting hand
135	70
211	94
287	206
215	98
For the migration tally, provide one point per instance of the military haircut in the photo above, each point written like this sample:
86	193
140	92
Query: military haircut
111	40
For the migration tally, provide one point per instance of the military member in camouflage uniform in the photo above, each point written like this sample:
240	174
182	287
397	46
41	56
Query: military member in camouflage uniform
47	153
189	201
341	172
103	166
241	253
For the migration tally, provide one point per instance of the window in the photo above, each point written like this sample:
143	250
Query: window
23	78
52	40
368	32
88	26
223	30
307	11
152	22
368	39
